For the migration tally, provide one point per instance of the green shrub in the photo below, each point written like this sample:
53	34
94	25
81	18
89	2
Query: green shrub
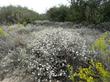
2	33
12	14
58	13
101	47
96	72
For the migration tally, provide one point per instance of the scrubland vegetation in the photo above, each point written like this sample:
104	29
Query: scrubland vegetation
12	15
34	53
33	49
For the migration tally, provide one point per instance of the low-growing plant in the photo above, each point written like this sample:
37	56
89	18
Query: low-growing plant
96	72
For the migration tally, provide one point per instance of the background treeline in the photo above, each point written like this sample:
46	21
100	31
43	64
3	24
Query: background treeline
90	11
17	14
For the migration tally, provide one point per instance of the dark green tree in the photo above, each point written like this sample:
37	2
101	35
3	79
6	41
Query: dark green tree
58	13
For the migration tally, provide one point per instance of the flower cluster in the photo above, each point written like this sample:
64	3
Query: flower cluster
51	50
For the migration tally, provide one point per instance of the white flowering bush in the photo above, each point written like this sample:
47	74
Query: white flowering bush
51	50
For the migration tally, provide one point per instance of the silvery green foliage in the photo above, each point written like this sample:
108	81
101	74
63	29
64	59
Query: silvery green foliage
51	50
12	51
